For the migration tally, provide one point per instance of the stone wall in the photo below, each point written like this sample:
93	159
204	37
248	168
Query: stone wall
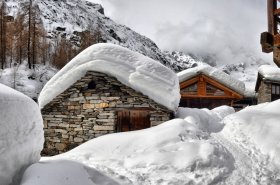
80	114
264	93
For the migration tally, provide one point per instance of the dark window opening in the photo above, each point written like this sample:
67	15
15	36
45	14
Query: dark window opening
275	92
92	85
214	91
191	89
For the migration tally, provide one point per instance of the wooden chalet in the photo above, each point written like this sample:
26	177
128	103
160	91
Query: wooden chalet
200	89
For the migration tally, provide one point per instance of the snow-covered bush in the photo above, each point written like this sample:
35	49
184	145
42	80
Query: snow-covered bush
21	134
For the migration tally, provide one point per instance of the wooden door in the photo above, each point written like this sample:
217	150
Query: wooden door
129	120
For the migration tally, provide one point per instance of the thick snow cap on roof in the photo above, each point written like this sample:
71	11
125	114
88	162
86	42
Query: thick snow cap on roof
270	72
215	74
132	69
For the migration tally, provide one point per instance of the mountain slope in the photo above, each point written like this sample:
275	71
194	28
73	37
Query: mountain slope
68	18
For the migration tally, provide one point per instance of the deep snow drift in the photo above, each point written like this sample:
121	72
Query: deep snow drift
175	152
132	69
200	147
21	134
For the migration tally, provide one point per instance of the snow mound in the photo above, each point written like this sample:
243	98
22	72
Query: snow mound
132	69
214	73
70	172
21	134
205	119
270	72
175	152
259	125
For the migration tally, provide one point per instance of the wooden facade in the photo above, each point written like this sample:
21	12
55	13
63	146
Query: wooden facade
202	91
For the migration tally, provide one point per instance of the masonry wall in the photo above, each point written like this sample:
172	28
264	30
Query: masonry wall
264	93
80	114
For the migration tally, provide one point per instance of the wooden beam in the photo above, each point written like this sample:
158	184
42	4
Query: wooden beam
222	87
272	25
207	97
276	40
188	82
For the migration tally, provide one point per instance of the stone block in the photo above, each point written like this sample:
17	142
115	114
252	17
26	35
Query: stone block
78	140
88	106
60	146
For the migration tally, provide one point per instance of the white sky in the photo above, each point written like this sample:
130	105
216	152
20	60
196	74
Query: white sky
220	28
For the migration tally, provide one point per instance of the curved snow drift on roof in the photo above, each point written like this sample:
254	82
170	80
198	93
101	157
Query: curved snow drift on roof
132	69
214	73
270	72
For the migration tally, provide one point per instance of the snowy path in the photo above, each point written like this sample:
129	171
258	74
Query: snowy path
251	167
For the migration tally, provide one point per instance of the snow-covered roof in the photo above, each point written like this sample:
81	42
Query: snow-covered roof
270	72
214	73
132	69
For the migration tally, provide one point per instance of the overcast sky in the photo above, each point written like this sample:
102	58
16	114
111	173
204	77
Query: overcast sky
220	28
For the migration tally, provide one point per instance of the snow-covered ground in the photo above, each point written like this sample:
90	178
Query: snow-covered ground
201	146
28	81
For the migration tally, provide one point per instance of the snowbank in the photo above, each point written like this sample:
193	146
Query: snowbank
214	73
270	72
64	172
259	125
205	119
132	69
175	152
21	134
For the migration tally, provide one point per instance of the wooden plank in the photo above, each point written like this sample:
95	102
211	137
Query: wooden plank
271	7
221	86
201	86
139	119
188	82
276	40
123	124
209	97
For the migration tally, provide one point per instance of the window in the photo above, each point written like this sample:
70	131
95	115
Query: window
92	85
192	89
211	90
275	92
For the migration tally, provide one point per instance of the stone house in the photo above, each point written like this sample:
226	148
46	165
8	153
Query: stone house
268	84
98	103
